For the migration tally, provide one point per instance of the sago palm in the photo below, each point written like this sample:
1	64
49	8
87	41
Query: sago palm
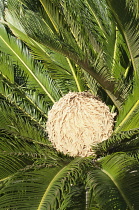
69	94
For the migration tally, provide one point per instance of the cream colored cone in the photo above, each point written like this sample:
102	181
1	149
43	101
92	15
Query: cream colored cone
78	121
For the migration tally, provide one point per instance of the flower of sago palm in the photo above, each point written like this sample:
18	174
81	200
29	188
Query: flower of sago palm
77	121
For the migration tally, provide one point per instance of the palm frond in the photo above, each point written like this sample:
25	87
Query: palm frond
124	141
23	135
65	43
109	179
7	66
47	188
29	186
2	7
12	165
76	199
68	175
121	59
40	79
15	122
126	15
19	137
91	83
19	154
56	64
76	76
28	102
25	155
128	116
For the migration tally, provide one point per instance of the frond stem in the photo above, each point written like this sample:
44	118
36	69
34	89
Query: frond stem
23	95
115	48
97	20
30	71
120	190
74	75
127	117
50	16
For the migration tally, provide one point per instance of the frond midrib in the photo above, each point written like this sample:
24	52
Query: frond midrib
127	117
123	31
61	171
74	76
22	93
50	16
47	190
30	71
119	189
96	18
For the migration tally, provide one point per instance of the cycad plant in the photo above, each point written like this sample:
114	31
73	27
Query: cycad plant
50	49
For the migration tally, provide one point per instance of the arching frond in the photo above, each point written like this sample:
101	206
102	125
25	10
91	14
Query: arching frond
48	48
64	41
46	189
39	79
22	139
126	14
126	17
28	102
69	176
125	141
121	63
29	186
12	165
13	121
58	66
115	182
128	116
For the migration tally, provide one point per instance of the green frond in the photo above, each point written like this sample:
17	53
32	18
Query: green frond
38	78
101	16
23	134
7	66
12	120
126	15
58	66
28	154
29	186
76	198
76	77
124	141
128	117
12	165
31	21
2	9
28	95
51	12
91	83
68	175
23	140
115	182
48	48
18	155
30	98
28	102
121	61
66	44
46	188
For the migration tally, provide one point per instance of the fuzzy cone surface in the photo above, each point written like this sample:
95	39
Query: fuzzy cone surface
77	121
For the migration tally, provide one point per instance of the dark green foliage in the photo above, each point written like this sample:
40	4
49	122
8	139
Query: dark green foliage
48	48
